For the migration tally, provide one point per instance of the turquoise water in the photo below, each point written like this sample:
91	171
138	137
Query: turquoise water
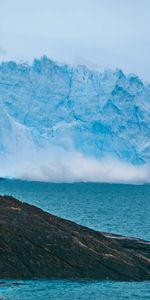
123	209
75	290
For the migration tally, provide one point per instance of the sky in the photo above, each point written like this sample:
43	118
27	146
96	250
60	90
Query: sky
99	33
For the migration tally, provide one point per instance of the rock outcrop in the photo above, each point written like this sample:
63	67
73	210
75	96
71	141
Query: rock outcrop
35	244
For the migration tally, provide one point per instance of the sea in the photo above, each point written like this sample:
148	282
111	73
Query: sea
116	208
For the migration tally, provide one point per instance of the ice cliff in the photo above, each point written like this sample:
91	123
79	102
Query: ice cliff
74	108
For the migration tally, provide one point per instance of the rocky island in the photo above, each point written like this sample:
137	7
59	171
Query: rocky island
37	245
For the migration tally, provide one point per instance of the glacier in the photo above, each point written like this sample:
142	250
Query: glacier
64	123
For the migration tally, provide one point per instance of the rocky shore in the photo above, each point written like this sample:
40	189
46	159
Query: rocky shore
37	245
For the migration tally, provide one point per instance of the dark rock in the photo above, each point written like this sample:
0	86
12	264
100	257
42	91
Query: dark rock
35	244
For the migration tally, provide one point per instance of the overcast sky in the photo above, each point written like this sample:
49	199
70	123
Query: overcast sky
99	33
